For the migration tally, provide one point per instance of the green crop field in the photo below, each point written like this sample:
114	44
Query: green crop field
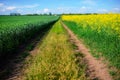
16	30
56	55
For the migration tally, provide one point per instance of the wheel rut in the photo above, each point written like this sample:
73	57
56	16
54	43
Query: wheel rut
96	70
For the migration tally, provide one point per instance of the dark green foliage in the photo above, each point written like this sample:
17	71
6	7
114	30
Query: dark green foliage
17	30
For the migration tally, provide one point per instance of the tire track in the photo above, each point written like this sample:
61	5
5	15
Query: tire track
96	69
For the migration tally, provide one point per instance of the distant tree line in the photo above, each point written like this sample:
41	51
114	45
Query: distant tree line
49	14
35	14
15	14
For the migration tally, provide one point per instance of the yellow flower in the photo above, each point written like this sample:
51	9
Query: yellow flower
96	21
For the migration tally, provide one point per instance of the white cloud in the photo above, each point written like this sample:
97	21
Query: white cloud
1	4
66	9
82	9
102	10
63	10
38	11
116	10
11	8
59	8
89	2
46	10
19	11
2	10
85	9
18	7
29	6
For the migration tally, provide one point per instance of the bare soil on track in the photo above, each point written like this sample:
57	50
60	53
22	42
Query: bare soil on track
96	69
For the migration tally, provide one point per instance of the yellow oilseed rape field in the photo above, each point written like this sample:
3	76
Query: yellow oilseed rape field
96	22
101	33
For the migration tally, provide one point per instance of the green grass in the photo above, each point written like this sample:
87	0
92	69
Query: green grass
17	30
101	44
55	59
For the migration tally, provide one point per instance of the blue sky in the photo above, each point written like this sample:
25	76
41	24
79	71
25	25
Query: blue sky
59	6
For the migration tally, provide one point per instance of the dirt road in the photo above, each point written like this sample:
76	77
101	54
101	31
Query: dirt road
96	69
